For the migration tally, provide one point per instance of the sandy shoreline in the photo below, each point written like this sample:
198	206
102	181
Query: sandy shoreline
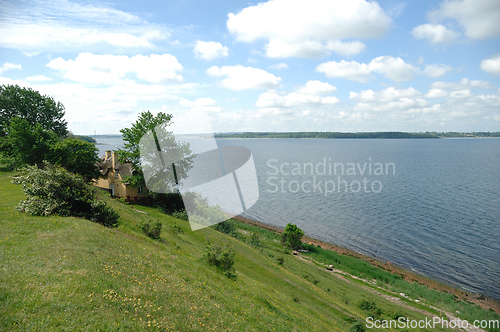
481	300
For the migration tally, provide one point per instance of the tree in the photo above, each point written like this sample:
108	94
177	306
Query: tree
163	140
30	105
28	144
292	236
77	156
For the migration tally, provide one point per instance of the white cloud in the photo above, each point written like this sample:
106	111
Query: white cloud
310	29
305	102
278	48
279	66
436	93
8	66
397	10
436	70
394	102
38	78
434	33
241	78
30	54
491	66
479	18
394	68
272	99
352	70
464	83
110	108
461	94
110	69
207	105
389	94
317	88
61	25
210	50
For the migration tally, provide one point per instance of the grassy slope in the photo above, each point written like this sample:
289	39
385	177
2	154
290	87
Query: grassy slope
59	273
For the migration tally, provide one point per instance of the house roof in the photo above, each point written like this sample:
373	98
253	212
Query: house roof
125	169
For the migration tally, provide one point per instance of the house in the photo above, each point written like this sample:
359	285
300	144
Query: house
112	175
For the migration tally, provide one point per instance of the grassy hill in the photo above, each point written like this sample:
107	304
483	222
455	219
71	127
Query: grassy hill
62	274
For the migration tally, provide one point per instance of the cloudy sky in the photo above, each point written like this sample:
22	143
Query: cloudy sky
281	65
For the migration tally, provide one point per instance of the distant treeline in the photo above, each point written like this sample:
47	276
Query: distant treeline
392	134
83	138
473	134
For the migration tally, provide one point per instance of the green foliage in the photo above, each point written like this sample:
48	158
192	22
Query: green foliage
292	236
53	190
281	260
371	308
181	214
317	134
226	227
30	105
367	305
27	144
176	229
81	137
357	327
254	240
164	140
77	156
151	228
221	257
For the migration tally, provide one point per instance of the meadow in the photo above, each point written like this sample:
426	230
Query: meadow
64	273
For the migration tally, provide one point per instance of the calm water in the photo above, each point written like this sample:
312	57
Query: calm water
434	210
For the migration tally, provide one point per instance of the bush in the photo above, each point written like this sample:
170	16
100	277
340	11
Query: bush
357	327
53	190
221	257
180	214
254	240
226	227
281	260
151	228
292	236
176	229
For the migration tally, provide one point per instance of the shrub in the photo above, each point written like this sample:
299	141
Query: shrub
367	305
54	190
226	227
176	229
281	260
357	327
254	240
221	257
180	214
151	228
292	236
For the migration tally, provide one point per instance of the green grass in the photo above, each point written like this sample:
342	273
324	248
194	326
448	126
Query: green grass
61	274
396	284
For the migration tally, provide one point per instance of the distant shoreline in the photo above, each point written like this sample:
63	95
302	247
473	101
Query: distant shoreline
358	135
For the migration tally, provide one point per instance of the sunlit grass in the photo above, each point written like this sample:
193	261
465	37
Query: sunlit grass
60	274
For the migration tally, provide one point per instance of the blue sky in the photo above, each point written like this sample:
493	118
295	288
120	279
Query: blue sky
281	65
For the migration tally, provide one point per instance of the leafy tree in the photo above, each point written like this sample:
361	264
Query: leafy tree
30	105
54	190
292	236
164	140
77	156
29	144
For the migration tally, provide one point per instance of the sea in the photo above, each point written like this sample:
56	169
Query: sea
431	206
